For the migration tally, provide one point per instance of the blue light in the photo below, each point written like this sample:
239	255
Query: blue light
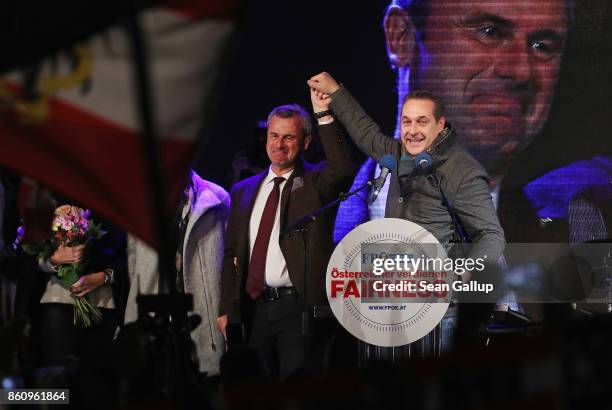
9	383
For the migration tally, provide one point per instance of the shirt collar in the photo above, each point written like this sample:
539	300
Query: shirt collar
271	175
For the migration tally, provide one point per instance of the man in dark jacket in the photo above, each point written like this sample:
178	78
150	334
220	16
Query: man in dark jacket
412	196
263	272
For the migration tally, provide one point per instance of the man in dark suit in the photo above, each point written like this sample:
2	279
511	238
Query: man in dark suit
263	266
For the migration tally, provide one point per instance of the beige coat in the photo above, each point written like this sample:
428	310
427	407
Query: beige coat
202	258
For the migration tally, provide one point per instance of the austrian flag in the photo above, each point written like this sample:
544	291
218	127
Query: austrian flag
74	124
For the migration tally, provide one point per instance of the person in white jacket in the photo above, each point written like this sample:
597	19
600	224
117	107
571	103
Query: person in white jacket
205	215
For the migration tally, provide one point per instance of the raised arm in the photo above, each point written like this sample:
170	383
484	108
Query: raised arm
338	173
361	128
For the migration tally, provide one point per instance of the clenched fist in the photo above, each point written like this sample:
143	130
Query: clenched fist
323	83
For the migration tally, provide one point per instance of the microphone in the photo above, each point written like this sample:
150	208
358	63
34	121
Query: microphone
424	162
387	164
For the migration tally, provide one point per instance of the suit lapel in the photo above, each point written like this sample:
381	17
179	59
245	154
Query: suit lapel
297	172
247	201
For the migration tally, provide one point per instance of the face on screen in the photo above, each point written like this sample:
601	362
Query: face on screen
495	64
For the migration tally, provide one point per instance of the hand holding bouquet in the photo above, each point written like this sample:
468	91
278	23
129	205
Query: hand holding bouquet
71	231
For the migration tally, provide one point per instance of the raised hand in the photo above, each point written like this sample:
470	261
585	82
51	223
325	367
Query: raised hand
320	101
324	83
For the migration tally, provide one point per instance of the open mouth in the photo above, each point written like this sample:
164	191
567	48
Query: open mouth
416	139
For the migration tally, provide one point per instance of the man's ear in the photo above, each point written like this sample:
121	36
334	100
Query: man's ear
400	35
307	142
442	122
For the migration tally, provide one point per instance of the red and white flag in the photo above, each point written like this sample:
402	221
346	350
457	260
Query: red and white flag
76	130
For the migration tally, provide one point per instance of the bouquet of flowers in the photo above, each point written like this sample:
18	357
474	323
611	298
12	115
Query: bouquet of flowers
71	227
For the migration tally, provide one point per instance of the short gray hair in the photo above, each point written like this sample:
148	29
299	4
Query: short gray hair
293	110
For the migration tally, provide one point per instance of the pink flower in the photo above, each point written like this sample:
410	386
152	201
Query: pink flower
70	223
65	225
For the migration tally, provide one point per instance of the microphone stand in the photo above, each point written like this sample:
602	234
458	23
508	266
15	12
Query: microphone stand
302	226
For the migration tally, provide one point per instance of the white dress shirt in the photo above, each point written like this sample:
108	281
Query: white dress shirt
277	275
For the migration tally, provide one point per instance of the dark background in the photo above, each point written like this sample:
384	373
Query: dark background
279	46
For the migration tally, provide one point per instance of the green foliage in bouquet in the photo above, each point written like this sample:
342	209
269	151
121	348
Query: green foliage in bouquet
71	227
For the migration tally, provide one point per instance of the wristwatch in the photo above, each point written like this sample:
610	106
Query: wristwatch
108	276
322	114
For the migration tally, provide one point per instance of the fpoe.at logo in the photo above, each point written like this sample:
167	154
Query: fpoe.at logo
384	282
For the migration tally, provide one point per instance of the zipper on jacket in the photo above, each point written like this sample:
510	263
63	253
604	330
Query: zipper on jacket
212	336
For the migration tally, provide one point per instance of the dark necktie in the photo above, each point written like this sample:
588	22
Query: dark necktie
257	265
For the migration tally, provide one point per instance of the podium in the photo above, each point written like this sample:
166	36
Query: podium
431	345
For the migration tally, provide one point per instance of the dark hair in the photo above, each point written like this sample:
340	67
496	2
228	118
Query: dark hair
292	110
427	95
